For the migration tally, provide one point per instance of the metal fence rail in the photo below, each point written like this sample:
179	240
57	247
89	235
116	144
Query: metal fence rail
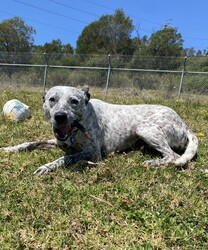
159	77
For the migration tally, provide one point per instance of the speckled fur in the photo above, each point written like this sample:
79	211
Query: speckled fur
114	128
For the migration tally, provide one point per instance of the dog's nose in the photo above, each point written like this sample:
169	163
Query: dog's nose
60	117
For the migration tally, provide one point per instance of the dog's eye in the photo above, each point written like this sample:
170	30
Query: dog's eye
52	99
74	101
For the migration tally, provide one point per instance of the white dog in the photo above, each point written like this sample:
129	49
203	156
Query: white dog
90	129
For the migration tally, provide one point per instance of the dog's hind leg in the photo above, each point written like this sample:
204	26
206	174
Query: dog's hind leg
156	140
29	146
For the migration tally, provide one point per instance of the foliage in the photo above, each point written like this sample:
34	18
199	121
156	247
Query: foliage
55	47
165	42
56	52
203	66
118	204
109	35
16	37
191	52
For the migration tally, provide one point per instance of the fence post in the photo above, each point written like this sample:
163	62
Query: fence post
45	73
182	76
108	76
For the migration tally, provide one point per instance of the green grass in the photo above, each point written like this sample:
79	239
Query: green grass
119	204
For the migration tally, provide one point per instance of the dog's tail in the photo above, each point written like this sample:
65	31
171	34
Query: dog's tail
190	151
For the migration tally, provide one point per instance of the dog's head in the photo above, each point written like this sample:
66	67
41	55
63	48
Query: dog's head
65	106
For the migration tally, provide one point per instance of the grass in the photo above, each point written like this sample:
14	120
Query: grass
119	204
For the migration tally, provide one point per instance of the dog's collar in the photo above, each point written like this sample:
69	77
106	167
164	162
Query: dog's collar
75	127
72	135
80	127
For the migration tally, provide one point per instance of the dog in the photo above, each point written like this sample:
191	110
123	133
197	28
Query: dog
90	129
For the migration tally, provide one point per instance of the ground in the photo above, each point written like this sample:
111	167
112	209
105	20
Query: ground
116	204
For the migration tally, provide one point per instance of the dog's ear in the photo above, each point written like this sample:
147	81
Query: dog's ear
87	94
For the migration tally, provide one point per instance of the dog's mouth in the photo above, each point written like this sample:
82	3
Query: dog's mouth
62	132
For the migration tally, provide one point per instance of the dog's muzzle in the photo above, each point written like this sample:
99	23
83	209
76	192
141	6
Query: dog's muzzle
62	129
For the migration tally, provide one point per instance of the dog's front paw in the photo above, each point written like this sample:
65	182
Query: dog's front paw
51	166
158	162
42	170
152	163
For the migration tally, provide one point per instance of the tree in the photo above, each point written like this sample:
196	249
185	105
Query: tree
56	52
55	47
161	51
190	52
163	48
199	53
15	37
166	42
111	34
140	58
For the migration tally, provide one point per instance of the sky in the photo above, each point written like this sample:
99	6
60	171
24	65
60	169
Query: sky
66	19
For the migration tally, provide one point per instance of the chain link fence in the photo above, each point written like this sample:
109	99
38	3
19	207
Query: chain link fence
150	77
